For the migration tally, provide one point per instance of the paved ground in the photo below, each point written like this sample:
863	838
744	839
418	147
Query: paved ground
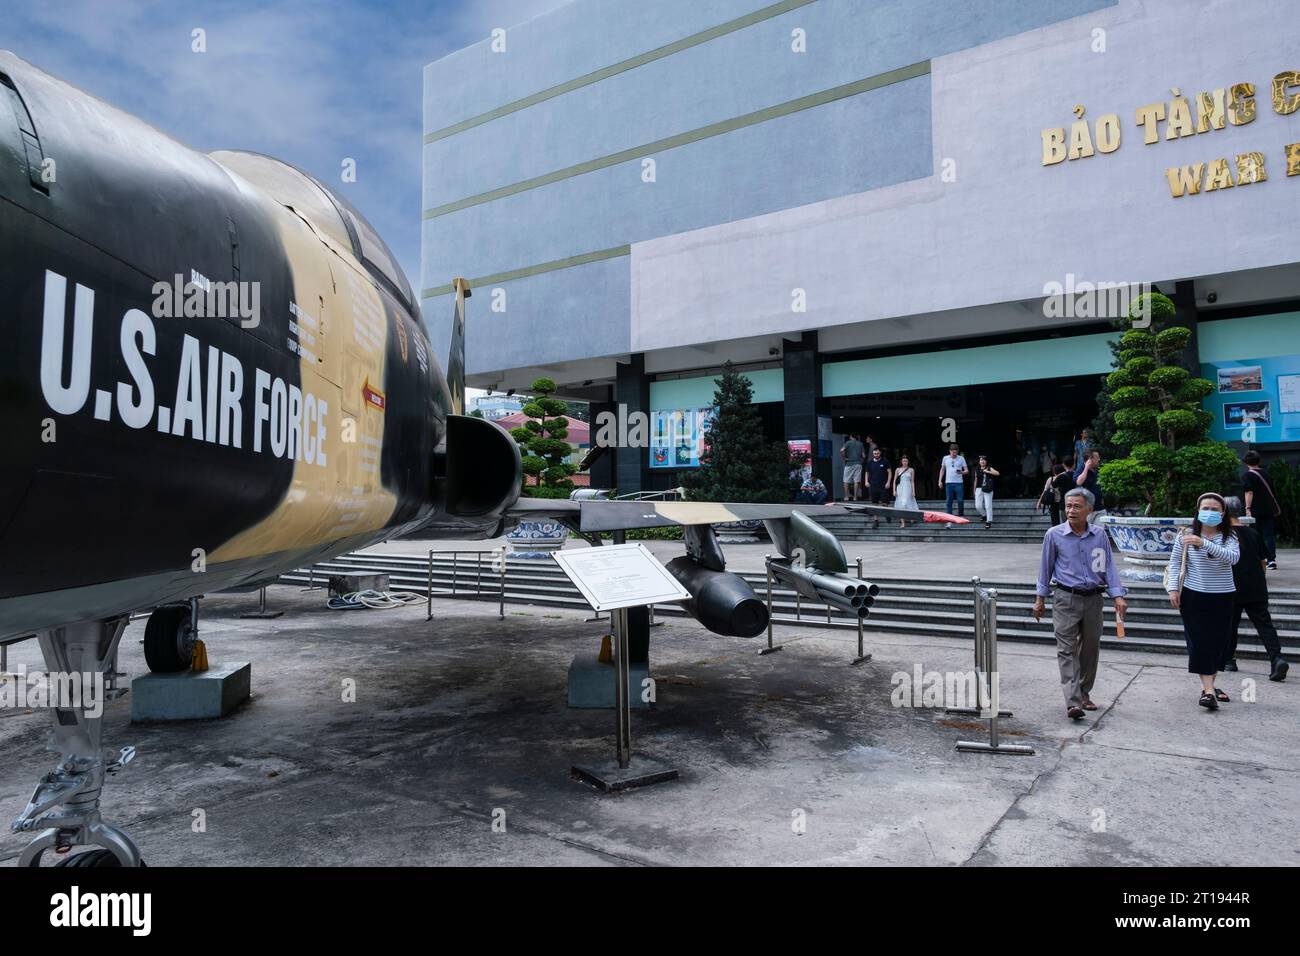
466	716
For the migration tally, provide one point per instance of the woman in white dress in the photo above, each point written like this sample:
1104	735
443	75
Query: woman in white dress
904	480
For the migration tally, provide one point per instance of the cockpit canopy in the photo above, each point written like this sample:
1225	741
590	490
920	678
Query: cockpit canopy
327	212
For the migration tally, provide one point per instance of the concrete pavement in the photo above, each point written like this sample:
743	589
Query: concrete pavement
790	758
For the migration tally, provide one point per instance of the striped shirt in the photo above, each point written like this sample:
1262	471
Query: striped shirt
1209	568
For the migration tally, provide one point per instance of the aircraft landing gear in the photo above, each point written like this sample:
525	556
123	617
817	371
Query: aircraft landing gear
169	637
66	801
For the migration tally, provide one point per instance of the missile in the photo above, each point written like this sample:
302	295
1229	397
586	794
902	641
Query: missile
844	604
721	601
811	583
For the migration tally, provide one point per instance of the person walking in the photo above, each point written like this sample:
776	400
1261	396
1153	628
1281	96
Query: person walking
1252	595
985	482
1046	462
1200	585
1054	489
1085	476
1028	472
1078	566
952	475
851	452
1083	446
905	487
1262	505
879	476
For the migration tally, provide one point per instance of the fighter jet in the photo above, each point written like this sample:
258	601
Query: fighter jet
215	373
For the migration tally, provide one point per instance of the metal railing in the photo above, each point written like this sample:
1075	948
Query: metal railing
499	565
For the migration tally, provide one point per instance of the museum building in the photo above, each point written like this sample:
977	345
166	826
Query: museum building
889	214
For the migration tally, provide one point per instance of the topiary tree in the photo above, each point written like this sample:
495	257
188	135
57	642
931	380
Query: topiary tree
1152	421
542	440
737	463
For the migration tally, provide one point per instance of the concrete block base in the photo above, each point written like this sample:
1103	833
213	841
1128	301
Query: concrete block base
591	683
341	584
190	696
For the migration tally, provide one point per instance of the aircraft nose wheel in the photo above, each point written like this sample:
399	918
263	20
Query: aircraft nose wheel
64	807
169	639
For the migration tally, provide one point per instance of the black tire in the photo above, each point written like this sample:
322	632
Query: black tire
167	639
91	858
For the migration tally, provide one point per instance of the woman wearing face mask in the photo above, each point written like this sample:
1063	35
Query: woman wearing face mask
1200	586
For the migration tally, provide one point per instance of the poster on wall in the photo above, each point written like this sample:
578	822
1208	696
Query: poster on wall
824	436
677	436
1241	378
1237	414
1262	393
1288	394
801	450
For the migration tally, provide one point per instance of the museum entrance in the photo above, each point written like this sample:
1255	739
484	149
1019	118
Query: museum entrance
1013	423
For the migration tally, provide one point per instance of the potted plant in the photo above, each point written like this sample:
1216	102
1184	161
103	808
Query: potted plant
541	438
1156	436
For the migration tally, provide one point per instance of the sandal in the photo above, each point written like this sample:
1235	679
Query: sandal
1207	700
1220	695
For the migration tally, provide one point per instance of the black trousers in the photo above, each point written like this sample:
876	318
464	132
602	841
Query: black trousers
1207	627
1267	528
1056	513
1257	611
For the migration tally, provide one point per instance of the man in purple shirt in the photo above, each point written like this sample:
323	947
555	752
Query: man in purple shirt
1079	566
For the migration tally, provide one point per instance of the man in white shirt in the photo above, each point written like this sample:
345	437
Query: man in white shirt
952	472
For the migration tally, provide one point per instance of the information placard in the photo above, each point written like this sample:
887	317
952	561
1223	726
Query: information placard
620	575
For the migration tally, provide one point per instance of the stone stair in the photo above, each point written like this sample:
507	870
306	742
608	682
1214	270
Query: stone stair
1015	521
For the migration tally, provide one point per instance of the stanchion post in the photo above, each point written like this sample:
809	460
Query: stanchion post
986	652
501	602
429	616
622	706
767	566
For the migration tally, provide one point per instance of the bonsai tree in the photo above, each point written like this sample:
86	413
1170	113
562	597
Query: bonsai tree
542	440
737	464
1152	420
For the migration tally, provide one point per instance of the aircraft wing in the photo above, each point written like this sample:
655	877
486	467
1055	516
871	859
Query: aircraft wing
595	516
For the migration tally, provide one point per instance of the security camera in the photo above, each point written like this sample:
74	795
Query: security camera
773	350
1212	298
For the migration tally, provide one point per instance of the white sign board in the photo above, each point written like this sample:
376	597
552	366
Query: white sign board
620	575
1288	394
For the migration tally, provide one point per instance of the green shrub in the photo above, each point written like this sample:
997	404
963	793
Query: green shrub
1153	428
541	440
737	464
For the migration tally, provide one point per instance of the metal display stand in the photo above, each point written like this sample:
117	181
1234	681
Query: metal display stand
862	656
986	669
616	579
261	611
771	648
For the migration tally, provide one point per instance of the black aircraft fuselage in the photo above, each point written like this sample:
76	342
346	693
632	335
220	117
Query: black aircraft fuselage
213	371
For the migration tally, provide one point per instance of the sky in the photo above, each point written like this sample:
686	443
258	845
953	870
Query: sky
311	82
